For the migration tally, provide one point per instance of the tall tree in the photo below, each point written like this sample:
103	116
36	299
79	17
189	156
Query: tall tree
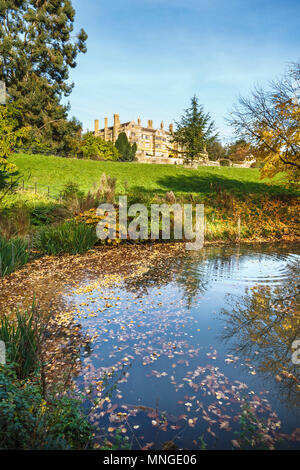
194	131
37	50
239	150
215	150
125	149
270	120
11	134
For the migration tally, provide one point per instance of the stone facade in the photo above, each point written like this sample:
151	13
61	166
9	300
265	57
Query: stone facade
155	145
151	143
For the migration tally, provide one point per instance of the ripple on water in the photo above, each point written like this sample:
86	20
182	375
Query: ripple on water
265	269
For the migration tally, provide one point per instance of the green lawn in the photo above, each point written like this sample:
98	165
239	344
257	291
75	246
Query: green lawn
56	171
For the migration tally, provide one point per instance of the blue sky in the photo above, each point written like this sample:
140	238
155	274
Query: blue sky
147	58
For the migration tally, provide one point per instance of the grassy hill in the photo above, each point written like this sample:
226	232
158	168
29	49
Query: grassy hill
55	172
238	204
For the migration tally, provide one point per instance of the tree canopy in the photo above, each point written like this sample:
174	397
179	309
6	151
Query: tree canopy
37	50
194	131
215	150
270	120
240	149
97	148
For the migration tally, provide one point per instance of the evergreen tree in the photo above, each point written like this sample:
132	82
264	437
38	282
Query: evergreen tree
125	149
36	53
194	131
133	151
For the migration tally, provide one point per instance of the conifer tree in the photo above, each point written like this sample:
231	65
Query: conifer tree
37	50
125	149
194	131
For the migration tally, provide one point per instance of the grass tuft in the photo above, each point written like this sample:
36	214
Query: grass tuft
68	237
13	254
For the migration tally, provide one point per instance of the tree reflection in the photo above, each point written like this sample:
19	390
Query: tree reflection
263	325
192	271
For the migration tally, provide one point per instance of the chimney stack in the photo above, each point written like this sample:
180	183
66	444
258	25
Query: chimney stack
96	127
105	128
150	124
116	127
162	124
139	121
171	128
116	120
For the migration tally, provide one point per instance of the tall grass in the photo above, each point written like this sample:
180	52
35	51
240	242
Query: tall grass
76	201
22	337
30	416
13	254
15	222
68	237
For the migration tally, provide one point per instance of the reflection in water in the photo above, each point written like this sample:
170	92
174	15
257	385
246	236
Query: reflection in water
197	271
161	334
263	324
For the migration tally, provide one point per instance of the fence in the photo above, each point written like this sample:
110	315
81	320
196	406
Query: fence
37	188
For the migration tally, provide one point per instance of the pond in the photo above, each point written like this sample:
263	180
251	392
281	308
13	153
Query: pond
195	352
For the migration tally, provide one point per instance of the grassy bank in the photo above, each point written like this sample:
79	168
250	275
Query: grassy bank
55	172
238	205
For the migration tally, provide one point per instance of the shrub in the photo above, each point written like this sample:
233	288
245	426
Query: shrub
225	162
257	164
68	237
13	254
126	150
170	198
48	214
104	192
28	421
15	221
97	148
71	191
30	418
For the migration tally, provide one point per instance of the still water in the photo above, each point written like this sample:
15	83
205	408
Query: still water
196	352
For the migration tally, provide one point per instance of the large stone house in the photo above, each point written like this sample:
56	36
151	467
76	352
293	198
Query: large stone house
153	145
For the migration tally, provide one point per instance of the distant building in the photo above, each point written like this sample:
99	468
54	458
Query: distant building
156	143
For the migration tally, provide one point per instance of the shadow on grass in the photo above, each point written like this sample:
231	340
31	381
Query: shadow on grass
210	184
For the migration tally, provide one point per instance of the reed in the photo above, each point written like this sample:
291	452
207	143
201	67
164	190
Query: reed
68	237
13	254
22	337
